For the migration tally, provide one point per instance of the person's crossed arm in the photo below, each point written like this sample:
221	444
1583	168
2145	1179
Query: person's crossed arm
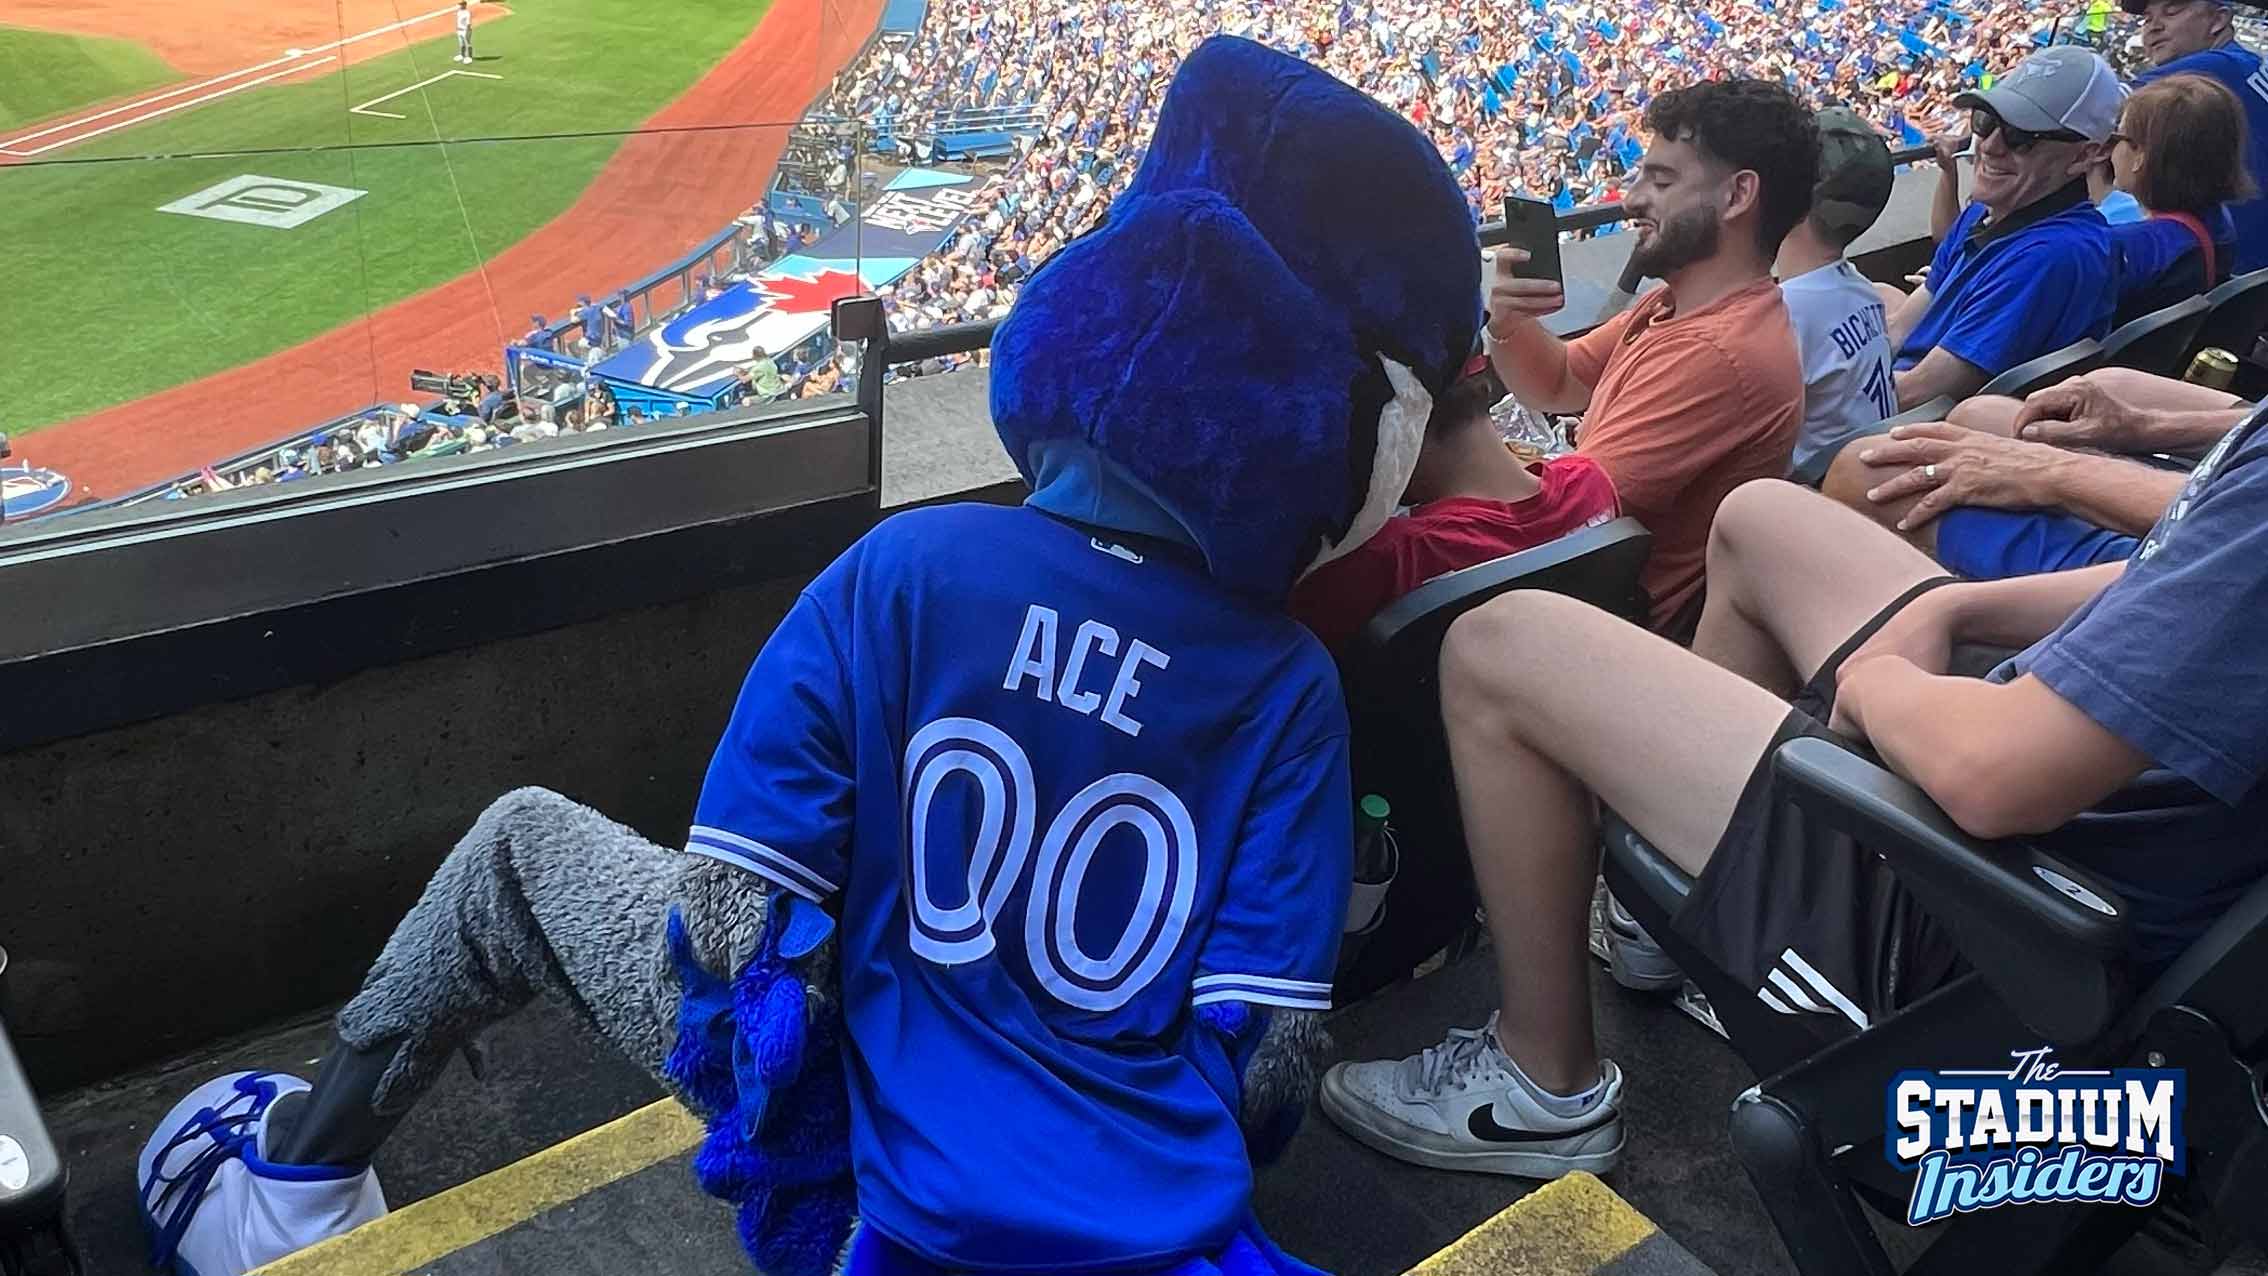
2002	759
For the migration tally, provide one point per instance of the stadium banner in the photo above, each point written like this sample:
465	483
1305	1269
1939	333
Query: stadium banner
903	17
27	489
788	302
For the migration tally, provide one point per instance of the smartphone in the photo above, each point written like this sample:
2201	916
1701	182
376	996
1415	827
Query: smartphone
1533	226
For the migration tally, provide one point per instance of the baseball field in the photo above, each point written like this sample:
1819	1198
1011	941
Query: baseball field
223	220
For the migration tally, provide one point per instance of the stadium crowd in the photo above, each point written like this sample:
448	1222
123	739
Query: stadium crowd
1532	98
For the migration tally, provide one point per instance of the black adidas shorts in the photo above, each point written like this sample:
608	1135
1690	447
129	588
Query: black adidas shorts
1816	926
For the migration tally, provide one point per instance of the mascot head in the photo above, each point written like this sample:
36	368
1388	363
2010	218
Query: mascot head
1243	354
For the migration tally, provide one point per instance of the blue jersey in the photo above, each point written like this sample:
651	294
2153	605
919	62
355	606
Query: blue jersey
1067	790
2238	68
2032	283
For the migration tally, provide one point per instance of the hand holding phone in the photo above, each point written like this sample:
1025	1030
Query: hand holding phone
1532	226
1524	280
1513	296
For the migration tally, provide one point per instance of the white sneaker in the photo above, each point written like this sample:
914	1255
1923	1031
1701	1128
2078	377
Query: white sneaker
215	1206
1462	1105
1636	961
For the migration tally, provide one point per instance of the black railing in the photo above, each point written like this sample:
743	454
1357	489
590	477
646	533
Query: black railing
968	338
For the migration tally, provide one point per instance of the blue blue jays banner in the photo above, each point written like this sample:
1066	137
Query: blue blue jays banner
788	302
26	490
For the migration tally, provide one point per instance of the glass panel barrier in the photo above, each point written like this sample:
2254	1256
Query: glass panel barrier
267	242
214	321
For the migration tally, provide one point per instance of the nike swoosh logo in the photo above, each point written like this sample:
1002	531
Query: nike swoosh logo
1483	1125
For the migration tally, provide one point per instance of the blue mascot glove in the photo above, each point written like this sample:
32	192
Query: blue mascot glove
762	1062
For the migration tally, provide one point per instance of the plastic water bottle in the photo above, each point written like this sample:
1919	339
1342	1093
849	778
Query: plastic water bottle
1376	862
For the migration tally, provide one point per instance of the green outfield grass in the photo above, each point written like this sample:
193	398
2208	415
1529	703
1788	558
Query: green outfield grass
43	74
120	301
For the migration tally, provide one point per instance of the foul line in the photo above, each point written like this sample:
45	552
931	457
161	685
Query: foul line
364	109
424	1232
296	56
147	116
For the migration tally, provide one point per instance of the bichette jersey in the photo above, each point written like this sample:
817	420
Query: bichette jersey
1065	789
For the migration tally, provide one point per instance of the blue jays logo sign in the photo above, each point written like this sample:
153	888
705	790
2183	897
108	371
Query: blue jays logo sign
26	490
2034	1132
773	314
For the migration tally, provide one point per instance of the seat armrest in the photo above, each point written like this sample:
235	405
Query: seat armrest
2048	938
31	1174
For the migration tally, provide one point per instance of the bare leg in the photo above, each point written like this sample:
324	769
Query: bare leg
1614	710
1666	738
1791	576
1849	480
543	897
1991	413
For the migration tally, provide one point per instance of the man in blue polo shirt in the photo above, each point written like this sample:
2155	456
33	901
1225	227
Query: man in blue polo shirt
2198	37
2026	268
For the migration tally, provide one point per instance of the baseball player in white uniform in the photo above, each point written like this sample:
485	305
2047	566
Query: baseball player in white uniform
464	31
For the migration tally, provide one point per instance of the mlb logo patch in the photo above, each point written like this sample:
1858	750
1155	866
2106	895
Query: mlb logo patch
264	201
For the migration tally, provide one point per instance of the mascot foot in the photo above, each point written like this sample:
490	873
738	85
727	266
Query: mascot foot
216	1205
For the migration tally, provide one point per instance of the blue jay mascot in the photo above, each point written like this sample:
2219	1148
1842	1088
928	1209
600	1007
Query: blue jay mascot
1010	906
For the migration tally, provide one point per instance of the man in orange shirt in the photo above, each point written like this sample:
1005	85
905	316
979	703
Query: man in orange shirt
1697	388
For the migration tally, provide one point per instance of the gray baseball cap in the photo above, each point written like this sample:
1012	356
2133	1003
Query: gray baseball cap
1855	173
2056	89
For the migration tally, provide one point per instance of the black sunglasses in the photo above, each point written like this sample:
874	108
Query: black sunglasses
1984	124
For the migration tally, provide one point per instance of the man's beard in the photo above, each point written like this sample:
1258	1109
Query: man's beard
1686	237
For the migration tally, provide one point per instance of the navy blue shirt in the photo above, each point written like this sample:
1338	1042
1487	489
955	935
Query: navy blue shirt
2034	282
2239	69
2169	659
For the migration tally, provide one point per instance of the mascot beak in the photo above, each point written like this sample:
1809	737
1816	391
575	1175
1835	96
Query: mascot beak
1401	432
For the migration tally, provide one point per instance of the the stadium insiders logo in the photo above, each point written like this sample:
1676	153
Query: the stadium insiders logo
264	201
1977	1139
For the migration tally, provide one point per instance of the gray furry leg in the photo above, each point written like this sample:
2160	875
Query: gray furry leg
545	897
1286	1067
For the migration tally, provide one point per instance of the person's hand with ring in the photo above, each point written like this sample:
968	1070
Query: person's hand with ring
1952	467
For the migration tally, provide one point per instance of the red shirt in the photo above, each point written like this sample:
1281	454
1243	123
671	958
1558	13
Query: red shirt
1339	598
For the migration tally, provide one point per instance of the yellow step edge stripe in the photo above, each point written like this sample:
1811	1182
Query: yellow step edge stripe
1568	1227
426	1231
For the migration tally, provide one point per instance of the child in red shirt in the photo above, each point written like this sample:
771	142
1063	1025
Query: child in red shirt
1474	501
